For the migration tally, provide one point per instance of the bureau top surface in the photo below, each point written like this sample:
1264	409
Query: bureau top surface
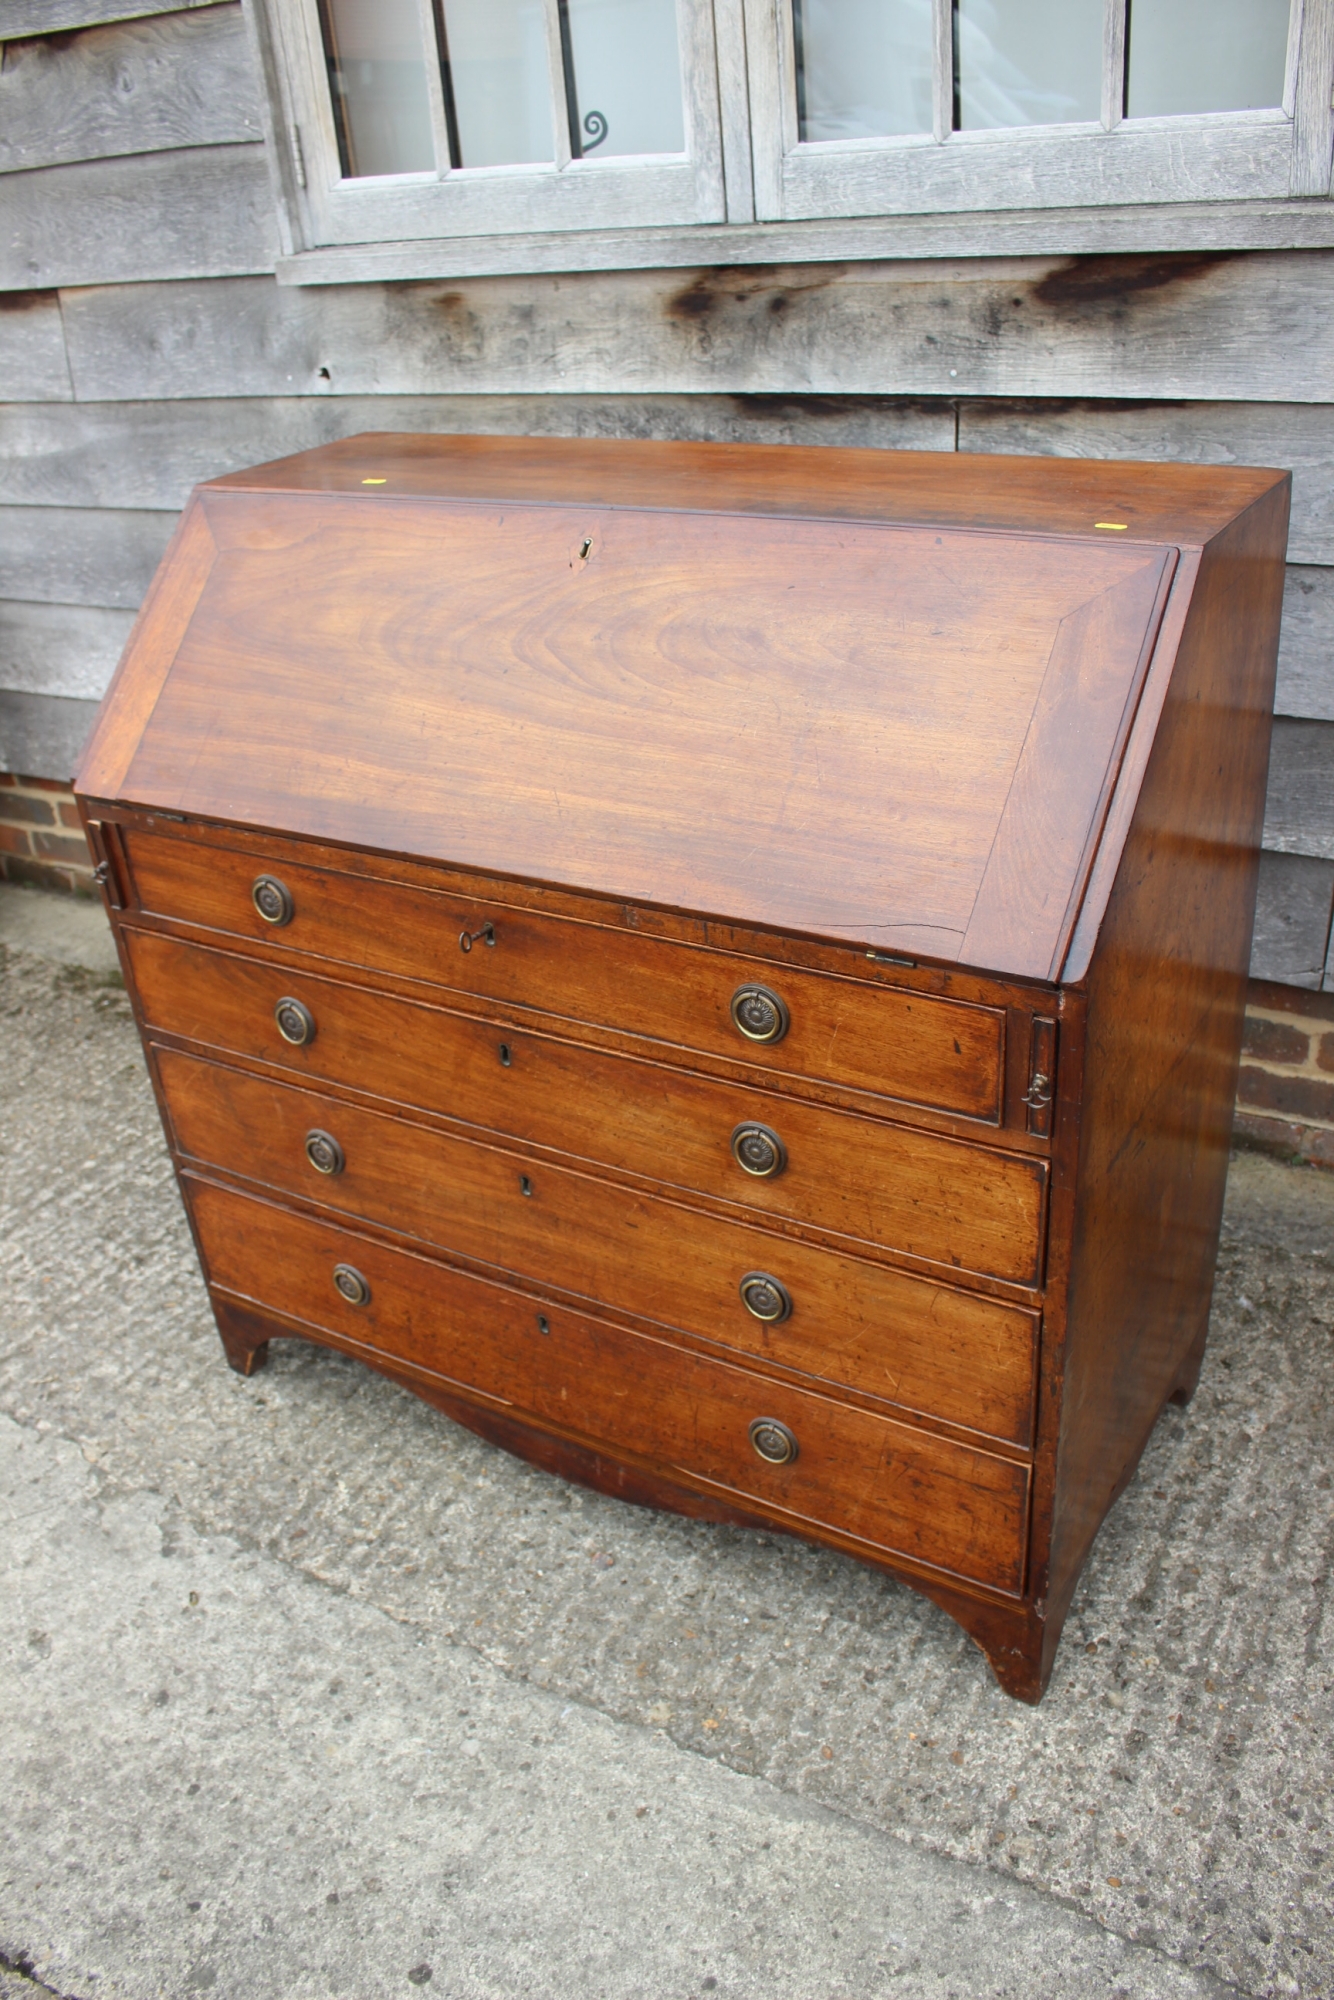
874	696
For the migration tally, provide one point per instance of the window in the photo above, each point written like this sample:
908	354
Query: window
464	117
413	120
874	107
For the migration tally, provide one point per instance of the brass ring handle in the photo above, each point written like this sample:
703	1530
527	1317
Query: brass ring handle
350	1285
758	1151
324	1152
760	1014
296	1024
772	1441
273	900
765	1298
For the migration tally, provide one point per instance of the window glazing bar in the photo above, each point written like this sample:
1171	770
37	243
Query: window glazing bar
944	117
1115	57
439	86
560	54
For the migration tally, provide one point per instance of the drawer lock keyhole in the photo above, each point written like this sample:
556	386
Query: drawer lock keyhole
1038	1095
486	935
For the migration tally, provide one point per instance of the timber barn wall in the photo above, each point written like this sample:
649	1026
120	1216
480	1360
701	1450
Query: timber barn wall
145	343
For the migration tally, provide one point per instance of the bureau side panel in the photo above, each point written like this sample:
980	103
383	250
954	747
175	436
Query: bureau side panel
1165	1002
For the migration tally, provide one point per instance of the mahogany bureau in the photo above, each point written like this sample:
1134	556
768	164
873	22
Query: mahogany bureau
721	968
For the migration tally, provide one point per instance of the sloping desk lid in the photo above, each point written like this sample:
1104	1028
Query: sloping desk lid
902	736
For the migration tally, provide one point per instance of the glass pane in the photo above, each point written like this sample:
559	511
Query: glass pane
377	79
498	71
863	68
627	76
1205	55
1027	62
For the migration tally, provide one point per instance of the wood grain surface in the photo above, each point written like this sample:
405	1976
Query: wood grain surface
81	555
64	649
139	86
868	1036
899	1488
962	1207
195	212
1166	997
1162	503
146	452
797	725
33	362
642	724
163	619
943	1353
1250	328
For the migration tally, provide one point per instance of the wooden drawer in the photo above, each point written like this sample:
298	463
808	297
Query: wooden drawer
855	1034
886	1484
942	1352
948	1203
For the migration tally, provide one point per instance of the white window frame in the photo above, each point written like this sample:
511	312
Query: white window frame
748	191
1218	156
656	190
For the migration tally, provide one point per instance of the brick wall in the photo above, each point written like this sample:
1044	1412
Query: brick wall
40	837
1285	1095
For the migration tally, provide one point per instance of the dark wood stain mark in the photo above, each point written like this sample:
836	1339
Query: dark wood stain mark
766	408
716	291
21	302
1092	284
463	331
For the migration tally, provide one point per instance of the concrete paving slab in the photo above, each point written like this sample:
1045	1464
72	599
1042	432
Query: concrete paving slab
226	1777
66	930
1171	1794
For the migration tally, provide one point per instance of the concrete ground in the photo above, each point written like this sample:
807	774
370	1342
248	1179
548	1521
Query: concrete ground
307	1692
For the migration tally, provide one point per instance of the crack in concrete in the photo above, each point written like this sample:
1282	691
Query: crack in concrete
20	1966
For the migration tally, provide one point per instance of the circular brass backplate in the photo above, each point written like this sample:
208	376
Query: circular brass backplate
765	1297
773	1441
349	1284
296	1024
758	1151
759	1014
324	1152
273	900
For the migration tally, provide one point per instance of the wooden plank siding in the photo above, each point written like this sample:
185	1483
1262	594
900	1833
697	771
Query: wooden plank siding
81	555
32	348
145	344
1306	652
140	87
198	212
1250	328
23	18
60	649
